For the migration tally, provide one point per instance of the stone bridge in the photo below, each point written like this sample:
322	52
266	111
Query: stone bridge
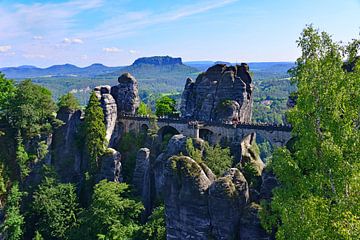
213	132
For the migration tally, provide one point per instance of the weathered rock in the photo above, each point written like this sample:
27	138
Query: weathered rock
186	199
142	165
176	145
111	166
126	94
228	196
67	156
222	93
109	107
269	182
250	153
250	227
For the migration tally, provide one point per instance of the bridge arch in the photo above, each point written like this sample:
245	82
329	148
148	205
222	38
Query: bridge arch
167	132
207	135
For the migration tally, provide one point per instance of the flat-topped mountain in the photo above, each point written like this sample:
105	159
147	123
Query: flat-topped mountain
158	60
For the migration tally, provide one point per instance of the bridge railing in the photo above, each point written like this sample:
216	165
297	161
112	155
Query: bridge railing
243	125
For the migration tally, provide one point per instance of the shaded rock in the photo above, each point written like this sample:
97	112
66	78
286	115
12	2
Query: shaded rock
250	227
269	182
142	165
228	195
186	199
250	153
176	145
67	156
109	107
110	166
126	94
222	93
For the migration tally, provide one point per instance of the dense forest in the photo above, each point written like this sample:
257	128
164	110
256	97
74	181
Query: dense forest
318	171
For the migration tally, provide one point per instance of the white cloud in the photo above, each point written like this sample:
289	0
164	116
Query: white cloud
73	41
5	48
112	49
34	56
38	37
133	51
130	22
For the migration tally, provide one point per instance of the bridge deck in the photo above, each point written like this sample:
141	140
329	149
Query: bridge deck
259	126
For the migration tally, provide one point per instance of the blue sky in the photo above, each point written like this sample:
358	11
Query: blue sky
114	33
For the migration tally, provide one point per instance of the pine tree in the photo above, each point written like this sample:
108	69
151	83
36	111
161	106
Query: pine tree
95	132
12	228
320	191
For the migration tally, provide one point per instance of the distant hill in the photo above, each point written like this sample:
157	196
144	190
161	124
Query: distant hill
158	61
56	71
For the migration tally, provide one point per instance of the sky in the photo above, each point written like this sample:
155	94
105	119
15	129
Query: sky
115	33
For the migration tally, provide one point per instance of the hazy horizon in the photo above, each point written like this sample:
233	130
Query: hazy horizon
115	33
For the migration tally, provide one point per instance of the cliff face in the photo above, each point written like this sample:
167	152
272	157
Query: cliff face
222	93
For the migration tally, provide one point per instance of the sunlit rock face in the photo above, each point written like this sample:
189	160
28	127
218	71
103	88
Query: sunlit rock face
222	93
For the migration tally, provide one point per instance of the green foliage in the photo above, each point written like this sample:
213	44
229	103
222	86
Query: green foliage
7	91
217	159
154	229
22	158
95	132
31	109
12	228
55	206
129	146
38	236
320	191
68	101
112	214
144	109
165	106
193	152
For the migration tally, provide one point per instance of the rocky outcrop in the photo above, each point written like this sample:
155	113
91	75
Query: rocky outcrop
67	157
109	107
158	60
176	145
126	94
110	166
186	200
222	93
228	196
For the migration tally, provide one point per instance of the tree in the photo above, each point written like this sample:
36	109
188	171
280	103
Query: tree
112	214
144	109
155	227
55	206
319	193
31	109
217	159
165	106
7	91
22	158
95	132
68	101
12	228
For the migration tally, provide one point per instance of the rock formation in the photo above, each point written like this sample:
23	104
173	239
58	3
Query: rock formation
222	93
111	166
126	94
67	154
109	107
